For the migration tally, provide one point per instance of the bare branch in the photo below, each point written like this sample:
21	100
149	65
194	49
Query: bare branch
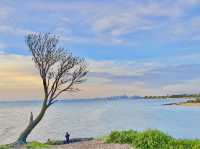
60	70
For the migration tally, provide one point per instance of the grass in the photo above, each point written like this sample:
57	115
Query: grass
54	142
30	145
4	147
150	139
37	145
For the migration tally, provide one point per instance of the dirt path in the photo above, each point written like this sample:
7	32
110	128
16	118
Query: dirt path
92	145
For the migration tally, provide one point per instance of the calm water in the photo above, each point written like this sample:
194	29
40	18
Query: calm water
92	118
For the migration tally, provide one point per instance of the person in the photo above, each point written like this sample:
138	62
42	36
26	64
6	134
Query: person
67	135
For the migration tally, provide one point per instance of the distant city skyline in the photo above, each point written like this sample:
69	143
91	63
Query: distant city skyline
132	47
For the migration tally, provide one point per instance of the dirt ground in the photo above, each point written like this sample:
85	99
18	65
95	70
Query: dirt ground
92	145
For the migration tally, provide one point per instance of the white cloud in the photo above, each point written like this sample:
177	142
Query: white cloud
100	22
2	46
4	12
103	23
190	86
18	75
125	68
8	29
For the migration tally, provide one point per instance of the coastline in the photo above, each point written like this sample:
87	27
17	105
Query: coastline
124	139
190	103
185	104
84	143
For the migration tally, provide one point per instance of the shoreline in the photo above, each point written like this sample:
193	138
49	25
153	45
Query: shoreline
75	143
185	104
124	139
189	103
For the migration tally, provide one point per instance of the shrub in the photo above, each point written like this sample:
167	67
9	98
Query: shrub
151	139
123	137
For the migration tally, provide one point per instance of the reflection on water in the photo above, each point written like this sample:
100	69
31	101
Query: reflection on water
91	118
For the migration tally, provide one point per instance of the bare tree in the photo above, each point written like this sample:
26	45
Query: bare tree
59	70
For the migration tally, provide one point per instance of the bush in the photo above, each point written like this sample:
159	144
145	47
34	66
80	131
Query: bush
151	139
123	137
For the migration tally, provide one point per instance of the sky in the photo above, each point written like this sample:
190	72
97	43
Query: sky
133	47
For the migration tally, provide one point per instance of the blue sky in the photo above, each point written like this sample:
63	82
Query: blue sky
133	47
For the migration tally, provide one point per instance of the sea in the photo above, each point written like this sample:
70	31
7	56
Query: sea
96	118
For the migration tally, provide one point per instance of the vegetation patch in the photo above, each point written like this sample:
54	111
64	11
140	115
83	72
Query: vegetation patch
4	147
197	100
150	139
55	142
174	96
37	145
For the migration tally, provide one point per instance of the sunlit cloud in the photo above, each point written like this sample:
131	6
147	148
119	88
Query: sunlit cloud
19	76
191	86
127	68
132	47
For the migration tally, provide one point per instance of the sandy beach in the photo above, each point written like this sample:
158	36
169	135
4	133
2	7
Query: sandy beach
189	104
185	104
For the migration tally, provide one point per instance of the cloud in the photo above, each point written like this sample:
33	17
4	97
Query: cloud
133	29
184	30
189	86
4	12
100	22
8	29
106	78
18	78
128	68
2	46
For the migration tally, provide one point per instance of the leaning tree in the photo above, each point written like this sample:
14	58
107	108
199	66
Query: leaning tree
59	70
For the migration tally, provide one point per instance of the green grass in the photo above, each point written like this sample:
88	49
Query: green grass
150	139
30	145
4	147
103	138
37	145
54	142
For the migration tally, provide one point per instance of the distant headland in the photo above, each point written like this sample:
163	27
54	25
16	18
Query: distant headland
174	96
193	99
118	97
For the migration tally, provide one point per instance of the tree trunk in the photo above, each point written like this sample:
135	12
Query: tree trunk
32	123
